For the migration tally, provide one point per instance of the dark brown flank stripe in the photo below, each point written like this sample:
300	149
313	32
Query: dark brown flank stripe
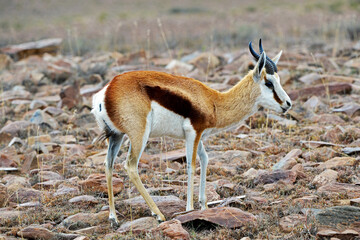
175	103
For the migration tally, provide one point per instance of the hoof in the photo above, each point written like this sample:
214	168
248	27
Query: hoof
114	223
160	217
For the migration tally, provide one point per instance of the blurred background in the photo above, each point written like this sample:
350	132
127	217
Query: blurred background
157	26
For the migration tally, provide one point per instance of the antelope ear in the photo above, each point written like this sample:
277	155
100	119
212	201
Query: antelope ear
277	57
259	67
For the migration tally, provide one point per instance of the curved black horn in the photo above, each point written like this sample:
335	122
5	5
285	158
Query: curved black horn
255	55
270	69
260	46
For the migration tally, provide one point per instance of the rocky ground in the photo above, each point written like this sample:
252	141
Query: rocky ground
293	176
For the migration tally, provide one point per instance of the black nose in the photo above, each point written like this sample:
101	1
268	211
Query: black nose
288	103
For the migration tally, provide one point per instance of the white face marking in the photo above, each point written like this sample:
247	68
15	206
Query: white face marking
99	111
267	97
165	122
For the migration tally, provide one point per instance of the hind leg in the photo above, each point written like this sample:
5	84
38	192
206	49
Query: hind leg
115	142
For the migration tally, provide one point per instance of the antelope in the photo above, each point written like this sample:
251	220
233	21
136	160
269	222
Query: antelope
144	104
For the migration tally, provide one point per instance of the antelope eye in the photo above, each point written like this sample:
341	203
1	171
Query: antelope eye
269	84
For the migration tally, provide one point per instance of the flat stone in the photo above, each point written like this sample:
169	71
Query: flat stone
336	189
36	232
327	176
224	216
168	205
289	223
331	234
355	202
23	195
18	128
284	161
83	220
338	216
84	199
272	177
23	50
137	226
338	162
97	183
174	230
306	200
3	195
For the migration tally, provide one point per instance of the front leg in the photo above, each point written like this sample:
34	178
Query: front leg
203	166
192	142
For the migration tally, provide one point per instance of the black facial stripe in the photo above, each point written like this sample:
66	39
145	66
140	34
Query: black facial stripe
276	97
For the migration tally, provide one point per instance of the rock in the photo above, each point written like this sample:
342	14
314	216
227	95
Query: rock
7	161
224	216
89	230
174	230
327	176
29	204
312	103
63	190
349	108
179	67
319	154
320	90
70	96
47	185
176	155
282	121
306	200
43	119
13	182
15	94
84	220
289	223
23	50
285	76
271	177
138	226
334	135
18	129
284	162
331	234
353	202
3	195
5	62
84	199
36	232
327	119
338	216
42	138
338	162
168	205
43	176
37	104
311	79
7	215
253	173
23	195
58	71
344	189
350	150
53	111
97	183
205	61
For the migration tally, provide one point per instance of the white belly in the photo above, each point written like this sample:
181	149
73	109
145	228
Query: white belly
165	122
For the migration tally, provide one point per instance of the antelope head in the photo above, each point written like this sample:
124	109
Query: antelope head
265	74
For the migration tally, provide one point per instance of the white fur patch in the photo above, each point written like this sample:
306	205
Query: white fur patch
165	122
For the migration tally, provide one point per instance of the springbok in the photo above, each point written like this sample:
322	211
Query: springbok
143	104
